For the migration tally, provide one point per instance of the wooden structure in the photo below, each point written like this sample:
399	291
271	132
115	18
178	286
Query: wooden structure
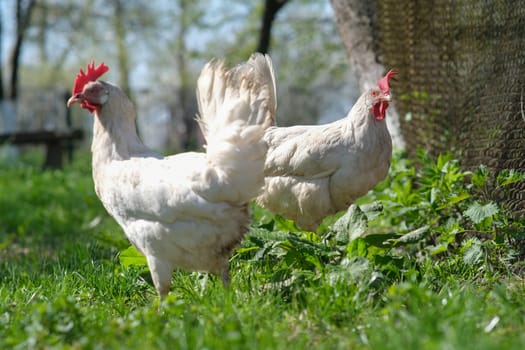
56	142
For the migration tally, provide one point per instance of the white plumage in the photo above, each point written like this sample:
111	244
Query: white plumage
188	210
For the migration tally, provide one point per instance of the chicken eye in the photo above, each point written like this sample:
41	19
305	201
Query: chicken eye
375	93
93	90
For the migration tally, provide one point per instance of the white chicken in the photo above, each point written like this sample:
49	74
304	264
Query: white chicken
187	210
313	171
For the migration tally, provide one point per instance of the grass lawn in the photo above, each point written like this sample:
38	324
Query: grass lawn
426	261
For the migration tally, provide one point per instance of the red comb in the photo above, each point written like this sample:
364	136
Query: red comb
91	74
383	83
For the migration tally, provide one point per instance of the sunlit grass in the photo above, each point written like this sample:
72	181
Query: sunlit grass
62	284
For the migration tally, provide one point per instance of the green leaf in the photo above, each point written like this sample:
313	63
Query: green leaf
472	252
477	212
372	210
244	250
454	200
285	225
132	257
351	225
411	237
307	247
480	176
381	240
434	194
441	248
508	177
357	247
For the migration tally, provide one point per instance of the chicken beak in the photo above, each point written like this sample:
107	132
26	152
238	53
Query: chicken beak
76	98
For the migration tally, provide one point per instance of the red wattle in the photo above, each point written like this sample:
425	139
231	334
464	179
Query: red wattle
379	110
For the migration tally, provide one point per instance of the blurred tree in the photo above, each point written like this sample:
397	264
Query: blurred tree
356	23
188	14
1	54
307	53
41	22
312	81
271	8
56	32
119	17
156	50
8	97
23	16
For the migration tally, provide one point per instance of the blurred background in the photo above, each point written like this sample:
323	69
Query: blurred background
461	63
155	50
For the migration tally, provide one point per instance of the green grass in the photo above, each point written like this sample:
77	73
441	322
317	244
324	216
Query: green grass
372	283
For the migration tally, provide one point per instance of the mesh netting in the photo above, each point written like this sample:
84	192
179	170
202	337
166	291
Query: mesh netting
462	81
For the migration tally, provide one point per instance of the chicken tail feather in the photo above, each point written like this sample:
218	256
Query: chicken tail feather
236	106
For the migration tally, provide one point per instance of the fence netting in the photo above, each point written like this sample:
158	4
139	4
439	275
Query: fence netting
462	81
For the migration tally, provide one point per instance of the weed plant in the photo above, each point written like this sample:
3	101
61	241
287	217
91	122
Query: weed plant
425	261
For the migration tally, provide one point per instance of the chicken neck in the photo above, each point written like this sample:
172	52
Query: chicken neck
115	134
367	132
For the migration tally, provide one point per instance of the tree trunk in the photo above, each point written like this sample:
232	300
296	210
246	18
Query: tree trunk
183	111
122	50
271	7
356	25
8	101
42	29
23	16
2	93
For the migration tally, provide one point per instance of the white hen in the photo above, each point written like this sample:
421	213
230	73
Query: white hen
317	170
187	210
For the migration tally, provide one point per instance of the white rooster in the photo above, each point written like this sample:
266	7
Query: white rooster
317	170
188	210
